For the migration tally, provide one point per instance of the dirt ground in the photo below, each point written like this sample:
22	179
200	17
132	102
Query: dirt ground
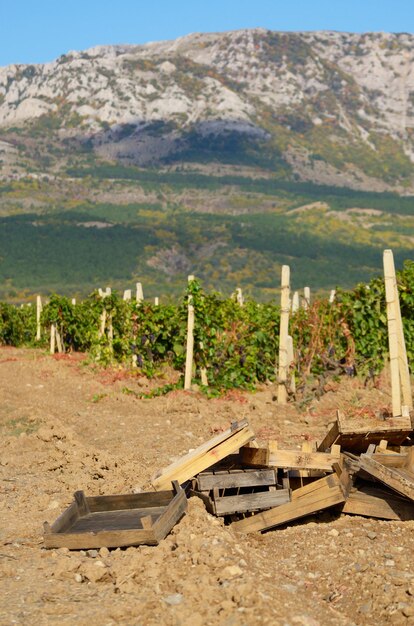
65	427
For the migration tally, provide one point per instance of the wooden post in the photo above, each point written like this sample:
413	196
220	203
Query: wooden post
239	296
73	301
52	338
291	361
332	296
108	291
140	293
400	376
38	314
127	295
295	302
203	370
156	301
190	342
307	297
283	337
58	341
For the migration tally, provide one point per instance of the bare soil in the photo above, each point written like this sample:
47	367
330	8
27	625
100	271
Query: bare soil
65	426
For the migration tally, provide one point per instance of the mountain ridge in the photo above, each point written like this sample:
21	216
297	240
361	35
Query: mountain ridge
325	106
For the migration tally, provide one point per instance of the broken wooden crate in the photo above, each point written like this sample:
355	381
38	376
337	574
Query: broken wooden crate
227	492
116	521
355	435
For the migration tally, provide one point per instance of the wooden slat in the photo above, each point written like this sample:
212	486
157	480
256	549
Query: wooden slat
205	456
66	519
251	501
370	501
319	495
129	501
171	515
400	480
229	480
295	459
255	457
108	539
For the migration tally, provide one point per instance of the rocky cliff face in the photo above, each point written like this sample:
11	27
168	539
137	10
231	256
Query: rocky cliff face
324	106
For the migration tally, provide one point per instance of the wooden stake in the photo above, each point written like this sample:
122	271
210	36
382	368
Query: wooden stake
291	363
295	302
283	337
203	370
239	296
73	301
190	342
127	295
38	313
58	341
52	338
400	376
140	293
156	301
332	296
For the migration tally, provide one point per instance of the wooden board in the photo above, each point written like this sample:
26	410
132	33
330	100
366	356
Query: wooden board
321	494
254	457
251	501
272	456
398	479
374	501
116	521
204	456
236	478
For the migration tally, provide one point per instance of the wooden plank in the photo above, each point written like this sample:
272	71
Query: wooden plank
299	460
229	480
129	501
389	276
400	480
171	515
65	520
330	438
255	457
205	456
319	495
374	501
108	539
251	501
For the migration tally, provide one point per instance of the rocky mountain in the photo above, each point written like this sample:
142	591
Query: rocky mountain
333	108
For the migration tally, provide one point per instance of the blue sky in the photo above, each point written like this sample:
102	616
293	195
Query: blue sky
36	31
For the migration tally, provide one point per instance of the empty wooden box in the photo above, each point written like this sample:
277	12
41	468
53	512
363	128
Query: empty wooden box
116	521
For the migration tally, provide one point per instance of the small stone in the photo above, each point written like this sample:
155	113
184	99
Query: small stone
389	563
53	504
78	578
333	532
104	552
231	571
174	599
371	535
92	553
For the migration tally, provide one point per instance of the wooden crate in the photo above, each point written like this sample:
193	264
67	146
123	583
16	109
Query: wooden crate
227	492
116	521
